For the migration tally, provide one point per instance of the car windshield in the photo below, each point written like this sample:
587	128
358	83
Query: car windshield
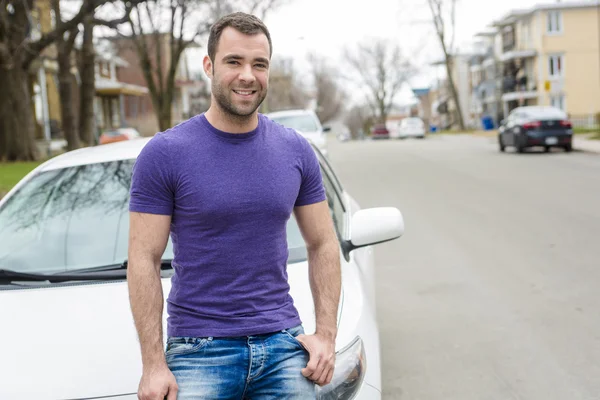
301	123
77	218
412	121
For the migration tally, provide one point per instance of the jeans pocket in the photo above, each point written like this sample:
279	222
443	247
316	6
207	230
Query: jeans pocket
182	346
293	333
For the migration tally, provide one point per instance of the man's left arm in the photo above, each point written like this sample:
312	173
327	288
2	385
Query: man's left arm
318	232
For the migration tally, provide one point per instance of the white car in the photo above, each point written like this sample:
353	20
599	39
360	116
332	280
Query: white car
306	122
67	328
410	127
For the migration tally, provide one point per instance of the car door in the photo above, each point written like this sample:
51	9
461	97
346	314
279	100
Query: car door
342	206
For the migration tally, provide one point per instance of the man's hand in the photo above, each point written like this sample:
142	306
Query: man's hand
321	361
157	384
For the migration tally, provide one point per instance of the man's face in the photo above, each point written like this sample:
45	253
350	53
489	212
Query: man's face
240	72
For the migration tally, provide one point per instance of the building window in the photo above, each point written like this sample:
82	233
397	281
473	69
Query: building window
558	102
556	66
554	23
508	38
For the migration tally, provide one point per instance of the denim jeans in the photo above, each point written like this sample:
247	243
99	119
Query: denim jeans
260	367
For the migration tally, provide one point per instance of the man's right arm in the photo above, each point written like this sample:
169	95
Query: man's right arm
148	237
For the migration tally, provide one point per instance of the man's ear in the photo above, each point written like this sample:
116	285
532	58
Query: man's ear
208	67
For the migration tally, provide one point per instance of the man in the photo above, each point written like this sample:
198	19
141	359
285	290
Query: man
224	185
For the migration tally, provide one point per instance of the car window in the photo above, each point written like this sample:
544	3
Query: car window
412	121
546	113
336	205
325	166
76	218
301	123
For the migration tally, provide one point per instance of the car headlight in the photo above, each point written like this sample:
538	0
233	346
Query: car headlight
350	368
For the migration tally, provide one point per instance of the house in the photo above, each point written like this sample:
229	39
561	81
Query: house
444	110
485	71
423	107
44	76
109	92
190	95
550	55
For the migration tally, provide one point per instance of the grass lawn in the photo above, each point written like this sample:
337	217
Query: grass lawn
579	131
11	173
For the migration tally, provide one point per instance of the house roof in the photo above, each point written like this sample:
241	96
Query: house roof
108	87
516	15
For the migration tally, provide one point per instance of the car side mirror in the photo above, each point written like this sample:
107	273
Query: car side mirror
373	226
326	128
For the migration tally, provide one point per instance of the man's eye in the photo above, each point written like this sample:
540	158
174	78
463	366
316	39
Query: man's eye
261	65
232	62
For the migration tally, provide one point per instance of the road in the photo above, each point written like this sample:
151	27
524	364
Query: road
494	291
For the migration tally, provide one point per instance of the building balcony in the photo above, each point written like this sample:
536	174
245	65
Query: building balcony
521	88
517	55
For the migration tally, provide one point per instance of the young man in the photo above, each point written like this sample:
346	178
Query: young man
224	185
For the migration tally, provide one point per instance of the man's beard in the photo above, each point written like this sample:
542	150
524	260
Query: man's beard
223	97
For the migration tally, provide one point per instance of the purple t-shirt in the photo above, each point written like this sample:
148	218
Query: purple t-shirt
230	197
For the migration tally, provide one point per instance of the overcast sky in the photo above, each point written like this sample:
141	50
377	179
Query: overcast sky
327	26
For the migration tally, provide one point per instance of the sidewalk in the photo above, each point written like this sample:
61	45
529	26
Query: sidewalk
580	142
583	144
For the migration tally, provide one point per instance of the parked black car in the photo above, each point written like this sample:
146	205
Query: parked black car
536	126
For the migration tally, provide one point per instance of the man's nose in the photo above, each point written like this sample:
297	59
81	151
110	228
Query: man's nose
246	74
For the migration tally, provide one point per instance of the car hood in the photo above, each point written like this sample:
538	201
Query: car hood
79	341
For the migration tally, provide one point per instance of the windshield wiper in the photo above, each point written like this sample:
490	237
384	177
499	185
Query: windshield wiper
103	273
7	276
164	265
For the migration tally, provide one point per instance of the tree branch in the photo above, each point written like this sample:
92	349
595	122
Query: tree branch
4	24
34	49
452	24
5	55
70	42
114	23
139	39
157	44
180	42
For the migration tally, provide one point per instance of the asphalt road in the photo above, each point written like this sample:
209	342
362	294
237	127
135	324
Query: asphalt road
494	291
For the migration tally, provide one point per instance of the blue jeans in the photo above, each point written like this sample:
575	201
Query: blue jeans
260	367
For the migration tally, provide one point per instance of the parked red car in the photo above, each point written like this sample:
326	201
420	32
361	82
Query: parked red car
379	131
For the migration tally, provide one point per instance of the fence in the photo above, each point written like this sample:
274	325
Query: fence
586	121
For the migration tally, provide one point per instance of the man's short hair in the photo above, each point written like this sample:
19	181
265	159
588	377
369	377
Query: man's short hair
244	23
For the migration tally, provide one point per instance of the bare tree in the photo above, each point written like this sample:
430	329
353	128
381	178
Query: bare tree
358	118
260	8
161	30
18	50
441	11
87	88
64	45
66	80
285	88
328	93
86	65
382	70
